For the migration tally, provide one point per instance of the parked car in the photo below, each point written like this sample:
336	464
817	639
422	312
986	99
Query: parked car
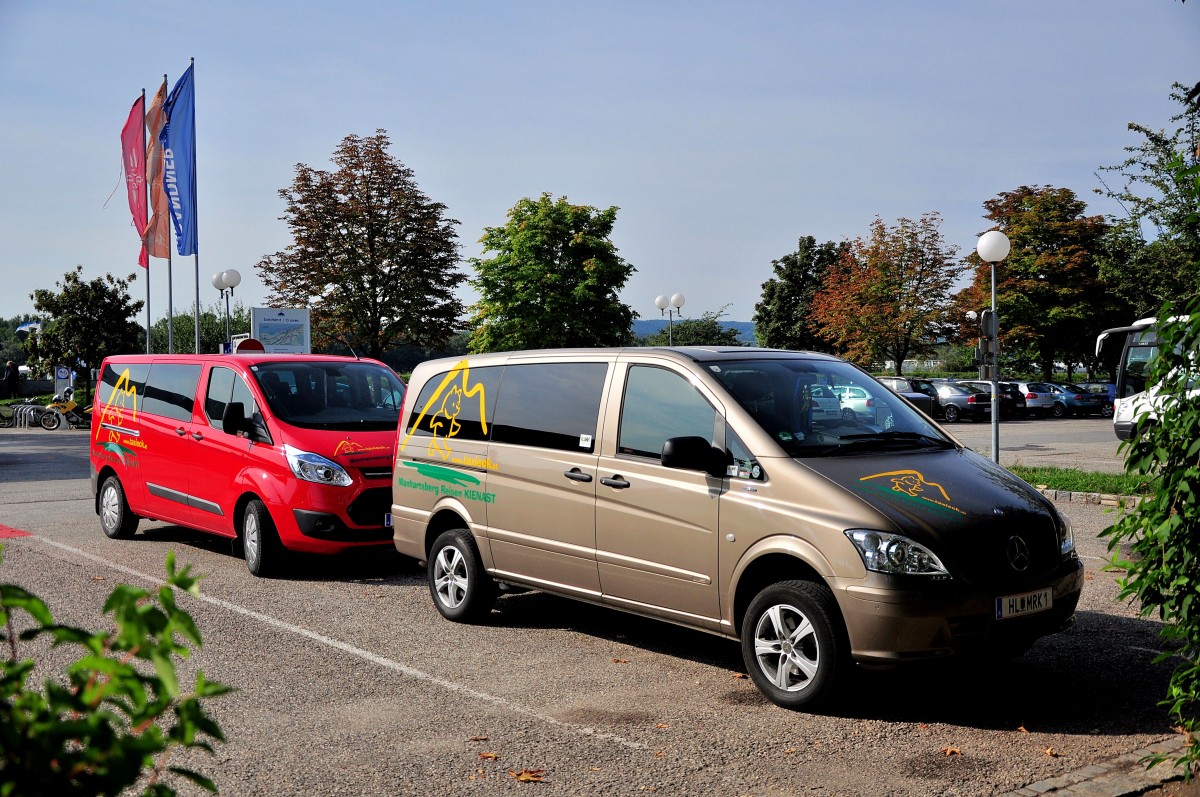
857	403
964	401
1039	398
911	384
1106	389
1012	400
1070	399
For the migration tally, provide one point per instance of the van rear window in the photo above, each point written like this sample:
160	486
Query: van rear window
550	405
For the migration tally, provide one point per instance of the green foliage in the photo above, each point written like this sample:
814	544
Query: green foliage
1148	272
783	316
212	328
1049	295
117	711
703	331
553	281
1163	533
86	321
372	257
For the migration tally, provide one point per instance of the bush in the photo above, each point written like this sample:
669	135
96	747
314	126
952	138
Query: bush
117	712
1163	533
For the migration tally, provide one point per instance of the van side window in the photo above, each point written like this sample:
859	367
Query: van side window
224	386
453	405
660	404
122	385
171	390
550	405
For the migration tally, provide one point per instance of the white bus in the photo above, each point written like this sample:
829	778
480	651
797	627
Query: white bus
1134	397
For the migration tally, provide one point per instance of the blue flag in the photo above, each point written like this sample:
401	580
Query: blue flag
178	139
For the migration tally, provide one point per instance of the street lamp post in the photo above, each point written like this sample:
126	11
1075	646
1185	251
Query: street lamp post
993	247
671	308
225	281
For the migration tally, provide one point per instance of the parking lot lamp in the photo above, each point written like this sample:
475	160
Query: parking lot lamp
671	308
993	247
225	281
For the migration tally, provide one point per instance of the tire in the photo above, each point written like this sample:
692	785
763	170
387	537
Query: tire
849	415
1059	411
793	675
50	421
260	541
951	413
1106	411
116	519
7	418
461	588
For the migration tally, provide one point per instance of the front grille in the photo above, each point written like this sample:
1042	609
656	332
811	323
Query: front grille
984	555
376	473
370	506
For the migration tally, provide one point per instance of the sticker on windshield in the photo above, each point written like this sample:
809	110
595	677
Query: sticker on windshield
910	486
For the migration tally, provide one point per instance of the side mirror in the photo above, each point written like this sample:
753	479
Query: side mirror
234	420
693	453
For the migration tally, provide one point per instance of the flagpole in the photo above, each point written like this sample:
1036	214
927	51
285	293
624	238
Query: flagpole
195	210
146	223
170	282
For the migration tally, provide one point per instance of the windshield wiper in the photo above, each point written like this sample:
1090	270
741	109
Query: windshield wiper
860	441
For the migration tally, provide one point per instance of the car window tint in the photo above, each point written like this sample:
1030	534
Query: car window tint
660	404
171	390
550	405
122	386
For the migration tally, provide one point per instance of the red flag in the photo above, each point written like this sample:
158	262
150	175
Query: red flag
157	238
134	159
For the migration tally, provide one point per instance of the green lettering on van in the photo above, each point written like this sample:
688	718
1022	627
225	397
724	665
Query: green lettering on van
448	475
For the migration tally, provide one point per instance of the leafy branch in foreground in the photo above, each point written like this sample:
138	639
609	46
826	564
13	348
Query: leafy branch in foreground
1163	532
118	711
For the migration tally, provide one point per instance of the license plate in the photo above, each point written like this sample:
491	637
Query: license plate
1023	604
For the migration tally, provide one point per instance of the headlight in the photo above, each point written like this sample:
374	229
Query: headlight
316	468
1066	535
891	553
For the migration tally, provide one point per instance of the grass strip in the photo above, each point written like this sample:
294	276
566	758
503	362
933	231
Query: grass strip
1083	481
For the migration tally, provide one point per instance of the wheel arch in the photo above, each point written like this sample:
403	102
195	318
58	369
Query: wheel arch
441	521
772	561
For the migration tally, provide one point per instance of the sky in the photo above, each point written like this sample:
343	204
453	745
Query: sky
723	131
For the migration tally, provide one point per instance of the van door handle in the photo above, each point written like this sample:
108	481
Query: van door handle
180	431
576	475
614	481
197	436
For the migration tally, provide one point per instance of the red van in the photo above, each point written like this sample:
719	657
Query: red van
274	451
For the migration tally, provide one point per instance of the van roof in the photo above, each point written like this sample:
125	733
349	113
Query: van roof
252	358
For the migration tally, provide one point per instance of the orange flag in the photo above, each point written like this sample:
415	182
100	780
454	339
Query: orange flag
157	237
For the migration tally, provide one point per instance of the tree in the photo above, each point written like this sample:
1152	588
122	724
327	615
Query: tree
84	322
373	258
1148	273
553	280
212	328
1050	299
703	331
783	317
887	296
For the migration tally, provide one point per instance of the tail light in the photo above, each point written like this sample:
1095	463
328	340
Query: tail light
1078	398
971	399
870	402
1031	395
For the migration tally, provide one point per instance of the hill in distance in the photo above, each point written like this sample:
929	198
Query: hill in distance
648	326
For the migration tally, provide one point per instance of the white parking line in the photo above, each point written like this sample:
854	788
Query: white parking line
366	655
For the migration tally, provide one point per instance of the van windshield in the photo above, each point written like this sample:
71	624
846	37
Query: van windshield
816	408
337	395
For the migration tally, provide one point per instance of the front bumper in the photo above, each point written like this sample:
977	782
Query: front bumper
891	626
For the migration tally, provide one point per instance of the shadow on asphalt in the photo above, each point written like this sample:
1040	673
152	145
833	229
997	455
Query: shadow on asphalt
1097	677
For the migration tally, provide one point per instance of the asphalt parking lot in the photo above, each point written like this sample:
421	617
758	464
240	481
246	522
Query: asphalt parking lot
349	682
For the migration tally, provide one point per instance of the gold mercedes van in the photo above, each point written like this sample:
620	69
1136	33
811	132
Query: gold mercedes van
717	488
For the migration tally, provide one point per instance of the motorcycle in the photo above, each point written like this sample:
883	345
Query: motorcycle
61	408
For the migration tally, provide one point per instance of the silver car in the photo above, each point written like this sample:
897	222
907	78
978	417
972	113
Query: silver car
857	403
1039	398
